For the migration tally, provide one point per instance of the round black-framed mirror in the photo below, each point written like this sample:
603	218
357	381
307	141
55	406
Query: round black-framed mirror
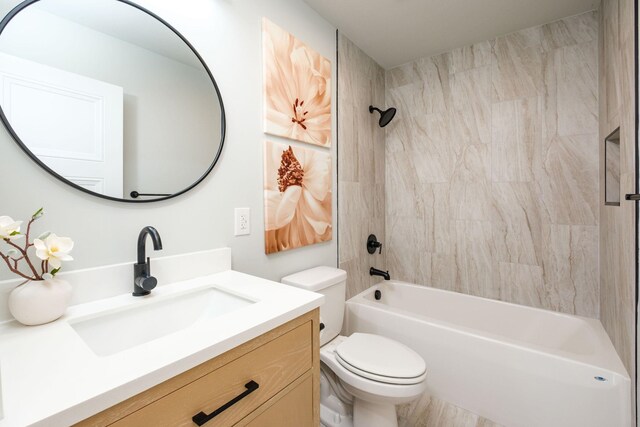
96	125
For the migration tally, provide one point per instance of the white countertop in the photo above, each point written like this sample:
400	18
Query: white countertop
50	377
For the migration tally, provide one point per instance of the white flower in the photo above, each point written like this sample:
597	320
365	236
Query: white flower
54	249
297	88
298	197
9	228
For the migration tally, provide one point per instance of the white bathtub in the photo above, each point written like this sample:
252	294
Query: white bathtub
516	365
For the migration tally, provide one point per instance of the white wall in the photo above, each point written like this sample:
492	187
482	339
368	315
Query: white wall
227	33
171	111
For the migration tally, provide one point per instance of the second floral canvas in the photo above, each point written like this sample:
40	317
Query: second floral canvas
297	193
297	88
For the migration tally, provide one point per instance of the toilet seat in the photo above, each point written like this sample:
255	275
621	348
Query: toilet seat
387	390
380	378
381	359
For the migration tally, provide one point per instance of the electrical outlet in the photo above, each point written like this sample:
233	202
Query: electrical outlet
243	221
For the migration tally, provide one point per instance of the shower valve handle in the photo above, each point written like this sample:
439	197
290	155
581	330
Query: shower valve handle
373	244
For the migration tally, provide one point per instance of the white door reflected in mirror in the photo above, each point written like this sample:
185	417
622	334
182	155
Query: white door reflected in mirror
79	132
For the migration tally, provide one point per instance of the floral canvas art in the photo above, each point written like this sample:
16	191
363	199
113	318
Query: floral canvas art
297	193
297	88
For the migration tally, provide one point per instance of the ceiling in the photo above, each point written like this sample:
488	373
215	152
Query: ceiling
394	32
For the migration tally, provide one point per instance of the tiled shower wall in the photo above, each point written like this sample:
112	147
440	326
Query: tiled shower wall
617	239
492	168
361	171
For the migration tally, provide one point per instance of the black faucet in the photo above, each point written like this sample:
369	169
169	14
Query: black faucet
376	272
143	281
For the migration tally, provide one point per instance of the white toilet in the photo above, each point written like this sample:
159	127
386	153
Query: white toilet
366	372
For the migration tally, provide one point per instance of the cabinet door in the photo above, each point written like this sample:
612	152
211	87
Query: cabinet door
273	366
295	409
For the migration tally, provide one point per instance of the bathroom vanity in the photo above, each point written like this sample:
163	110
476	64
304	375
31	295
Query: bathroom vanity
223	342
283	363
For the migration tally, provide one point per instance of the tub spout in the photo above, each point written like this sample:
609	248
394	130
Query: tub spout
375	272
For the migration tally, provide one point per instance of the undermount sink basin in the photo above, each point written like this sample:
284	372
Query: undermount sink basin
135	324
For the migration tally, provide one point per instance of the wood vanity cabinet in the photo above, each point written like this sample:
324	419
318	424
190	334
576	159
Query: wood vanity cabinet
284	363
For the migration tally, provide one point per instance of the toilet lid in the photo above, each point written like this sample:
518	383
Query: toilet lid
380	356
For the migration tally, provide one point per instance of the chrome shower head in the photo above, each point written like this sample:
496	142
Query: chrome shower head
385	116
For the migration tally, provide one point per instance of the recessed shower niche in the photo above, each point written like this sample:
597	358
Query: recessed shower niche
612	169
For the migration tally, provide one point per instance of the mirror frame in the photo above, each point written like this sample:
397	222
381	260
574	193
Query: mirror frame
26	3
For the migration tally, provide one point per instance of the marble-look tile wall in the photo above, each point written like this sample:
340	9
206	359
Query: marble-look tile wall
361	171
492	168
617	223
361	205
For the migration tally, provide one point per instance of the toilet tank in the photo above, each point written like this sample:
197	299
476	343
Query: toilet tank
331	282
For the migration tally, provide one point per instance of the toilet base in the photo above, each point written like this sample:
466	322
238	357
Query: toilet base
331	418
374	414
335	403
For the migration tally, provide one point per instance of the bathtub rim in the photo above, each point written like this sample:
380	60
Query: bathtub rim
604	359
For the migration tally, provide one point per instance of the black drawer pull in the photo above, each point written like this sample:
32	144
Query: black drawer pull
201	418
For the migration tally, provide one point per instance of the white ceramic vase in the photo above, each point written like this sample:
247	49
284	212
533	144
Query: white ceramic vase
40	301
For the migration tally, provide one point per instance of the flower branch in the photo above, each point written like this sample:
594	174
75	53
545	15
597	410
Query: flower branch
49	248
23	251
15	269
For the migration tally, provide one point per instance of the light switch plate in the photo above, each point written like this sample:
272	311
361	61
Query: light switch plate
243	221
